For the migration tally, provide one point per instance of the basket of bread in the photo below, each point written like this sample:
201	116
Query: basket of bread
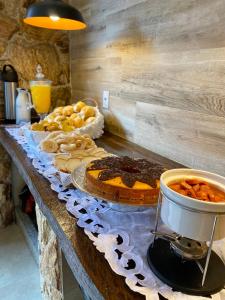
82	117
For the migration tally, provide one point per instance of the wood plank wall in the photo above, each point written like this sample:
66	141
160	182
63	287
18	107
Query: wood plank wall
164	65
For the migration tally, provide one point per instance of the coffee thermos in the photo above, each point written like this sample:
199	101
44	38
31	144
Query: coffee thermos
10	83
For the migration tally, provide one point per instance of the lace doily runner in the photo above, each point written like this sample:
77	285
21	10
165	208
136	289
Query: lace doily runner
123	237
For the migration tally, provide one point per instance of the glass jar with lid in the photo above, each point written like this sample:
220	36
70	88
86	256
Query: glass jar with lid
41	93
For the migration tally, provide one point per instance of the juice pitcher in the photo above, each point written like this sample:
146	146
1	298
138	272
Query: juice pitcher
41	93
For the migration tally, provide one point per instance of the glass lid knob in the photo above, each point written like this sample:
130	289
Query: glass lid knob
39	74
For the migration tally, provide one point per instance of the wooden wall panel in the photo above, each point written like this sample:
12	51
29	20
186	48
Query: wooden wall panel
194	138
161	60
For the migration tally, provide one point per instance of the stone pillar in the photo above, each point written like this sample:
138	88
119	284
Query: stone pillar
6	203
2	104
50	260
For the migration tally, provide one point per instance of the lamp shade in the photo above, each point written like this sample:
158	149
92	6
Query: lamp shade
54	14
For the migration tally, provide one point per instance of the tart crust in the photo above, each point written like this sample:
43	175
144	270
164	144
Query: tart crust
116	191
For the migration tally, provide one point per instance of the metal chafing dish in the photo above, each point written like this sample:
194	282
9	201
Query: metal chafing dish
184	258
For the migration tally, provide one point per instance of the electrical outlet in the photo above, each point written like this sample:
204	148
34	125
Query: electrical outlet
105	100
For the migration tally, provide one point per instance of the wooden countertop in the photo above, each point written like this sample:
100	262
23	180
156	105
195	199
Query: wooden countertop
89	266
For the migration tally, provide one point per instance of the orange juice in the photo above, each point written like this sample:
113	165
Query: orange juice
41	97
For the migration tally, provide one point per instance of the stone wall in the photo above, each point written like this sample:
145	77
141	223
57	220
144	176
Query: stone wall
6	205
24	47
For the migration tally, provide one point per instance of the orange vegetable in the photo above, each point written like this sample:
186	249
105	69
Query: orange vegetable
205	187
175	187
185	185
217	199
198	189
211	196
202	195
182	192
191	193
193	181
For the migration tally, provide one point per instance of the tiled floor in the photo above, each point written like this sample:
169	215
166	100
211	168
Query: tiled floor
19	276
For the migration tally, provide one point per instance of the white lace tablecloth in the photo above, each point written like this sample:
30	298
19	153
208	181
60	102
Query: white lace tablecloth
123	237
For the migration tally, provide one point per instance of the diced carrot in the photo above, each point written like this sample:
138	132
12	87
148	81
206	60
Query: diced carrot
175	187
211	196
205	188
193	181
217	199
182	192
196	187
220	194
185	185
202	195
191	193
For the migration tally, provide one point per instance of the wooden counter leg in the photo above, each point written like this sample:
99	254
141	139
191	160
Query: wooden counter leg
50	260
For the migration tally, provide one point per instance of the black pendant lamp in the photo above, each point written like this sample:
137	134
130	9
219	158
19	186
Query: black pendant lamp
54	14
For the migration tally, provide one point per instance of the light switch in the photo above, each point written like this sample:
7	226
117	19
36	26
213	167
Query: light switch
105	100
